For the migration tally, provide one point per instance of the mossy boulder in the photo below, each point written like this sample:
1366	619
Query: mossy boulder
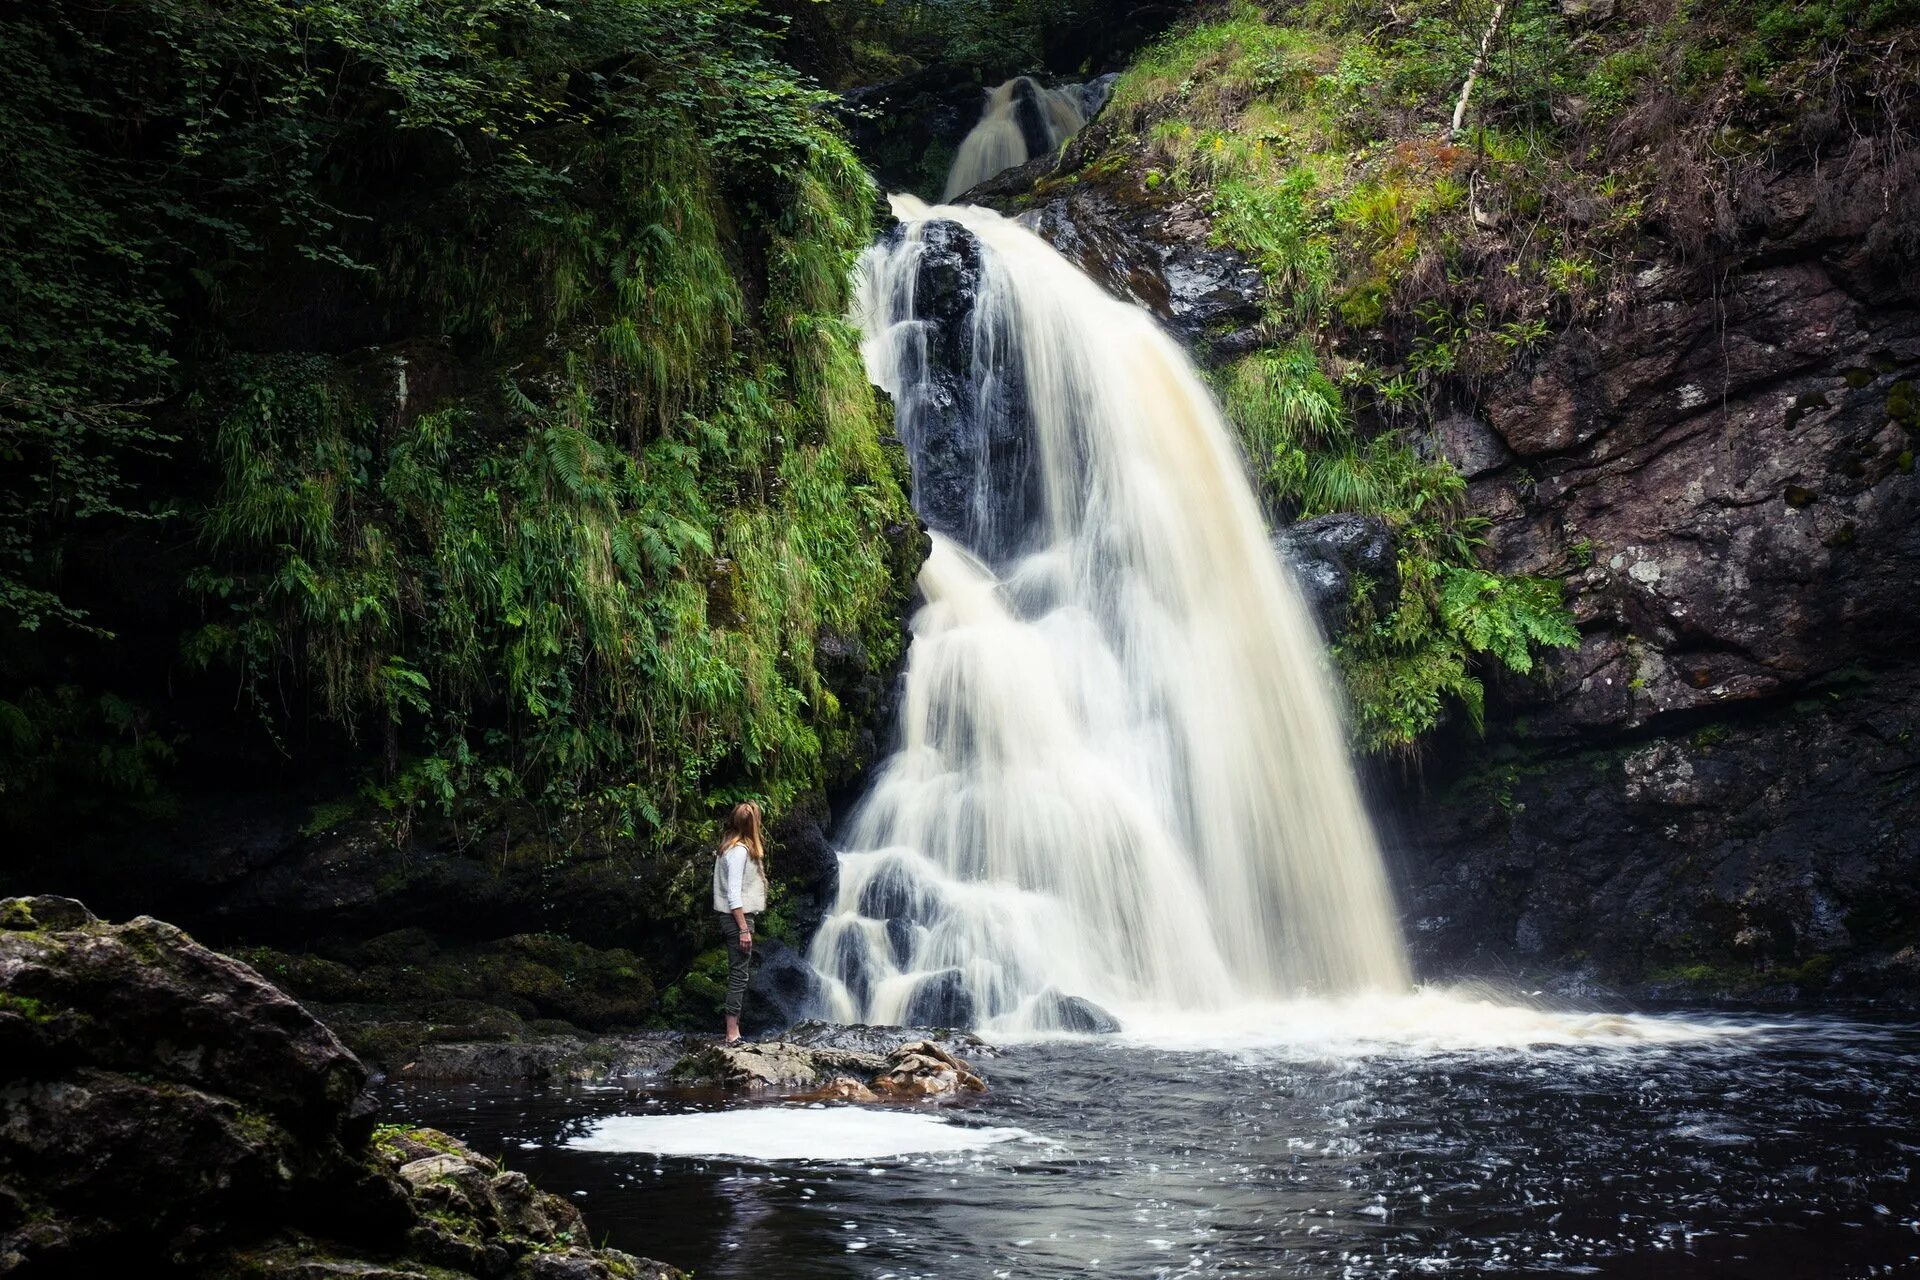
163	1103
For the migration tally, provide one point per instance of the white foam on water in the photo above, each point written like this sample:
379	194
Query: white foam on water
1423	1022
821	1134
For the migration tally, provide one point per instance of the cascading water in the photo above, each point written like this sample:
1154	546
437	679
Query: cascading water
1022	119
1122	775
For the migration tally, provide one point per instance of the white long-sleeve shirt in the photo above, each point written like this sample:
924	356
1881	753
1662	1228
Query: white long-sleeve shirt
737	882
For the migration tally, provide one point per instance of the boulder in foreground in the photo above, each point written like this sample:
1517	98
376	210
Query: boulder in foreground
916	1069
163	1105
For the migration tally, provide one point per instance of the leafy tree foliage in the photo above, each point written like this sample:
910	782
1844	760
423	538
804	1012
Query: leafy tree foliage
487	355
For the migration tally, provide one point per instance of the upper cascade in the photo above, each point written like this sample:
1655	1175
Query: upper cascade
1022	119
1122	773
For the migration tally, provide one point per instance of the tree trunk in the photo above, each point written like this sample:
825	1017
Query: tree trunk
1479	64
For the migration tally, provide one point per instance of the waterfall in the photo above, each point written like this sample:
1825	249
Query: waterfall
1122	776
1022	119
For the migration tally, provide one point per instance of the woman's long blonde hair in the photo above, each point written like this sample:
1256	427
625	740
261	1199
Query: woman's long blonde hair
743	827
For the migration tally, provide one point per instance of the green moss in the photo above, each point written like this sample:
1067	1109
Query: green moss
327	815
694	1001
1903	404
25	1007
1712	736
1701	974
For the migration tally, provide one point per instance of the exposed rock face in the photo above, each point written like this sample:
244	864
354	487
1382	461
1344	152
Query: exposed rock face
882	1040
774	1065
941	1000
1767	855
1328	554
1471	445
1150	249
1720	786
551	1058
923	1069
908	129
164	1104
916	1069
969	438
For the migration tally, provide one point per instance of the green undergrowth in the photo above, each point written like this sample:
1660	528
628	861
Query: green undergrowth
1410	268
495	356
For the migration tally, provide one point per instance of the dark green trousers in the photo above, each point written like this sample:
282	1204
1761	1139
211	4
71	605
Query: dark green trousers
737	958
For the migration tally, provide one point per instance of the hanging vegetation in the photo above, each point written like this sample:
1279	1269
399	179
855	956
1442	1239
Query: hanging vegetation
485	360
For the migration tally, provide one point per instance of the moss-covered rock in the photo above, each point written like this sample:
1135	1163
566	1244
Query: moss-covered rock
163	1102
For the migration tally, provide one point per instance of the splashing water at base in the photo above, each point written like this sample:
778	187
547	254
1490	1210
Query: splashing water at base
1022	119
1122	776
1427	1021
1770	1147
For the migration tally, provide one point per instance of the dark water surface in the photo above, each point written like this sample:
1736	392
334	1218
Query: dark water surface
1786	1152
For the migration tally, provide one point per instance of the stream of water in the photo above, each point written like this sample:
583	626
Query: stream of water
1759	1147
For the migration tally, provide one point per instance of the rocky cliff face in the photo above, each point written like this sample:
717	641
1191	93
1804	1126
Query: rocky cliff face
1718	790
1720	786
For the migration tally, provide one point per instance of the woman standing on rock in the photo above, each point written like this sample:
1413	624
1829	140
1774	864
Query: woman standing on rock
739	890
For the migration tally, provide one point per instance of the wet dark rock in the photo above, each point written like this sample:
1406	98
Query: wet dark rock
1158	253
1767	854
1467	442
970	443
915	1068
135	997
1058	1012
573	1058
882	1040
1148	247
783	990
900	939
942	1000
896	892
1329	554
808	865
415	975
162	1102
1031	115
852	957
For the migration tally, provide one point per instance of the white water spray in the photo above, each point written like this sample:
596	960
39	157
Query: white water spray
1122	774
1018	114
